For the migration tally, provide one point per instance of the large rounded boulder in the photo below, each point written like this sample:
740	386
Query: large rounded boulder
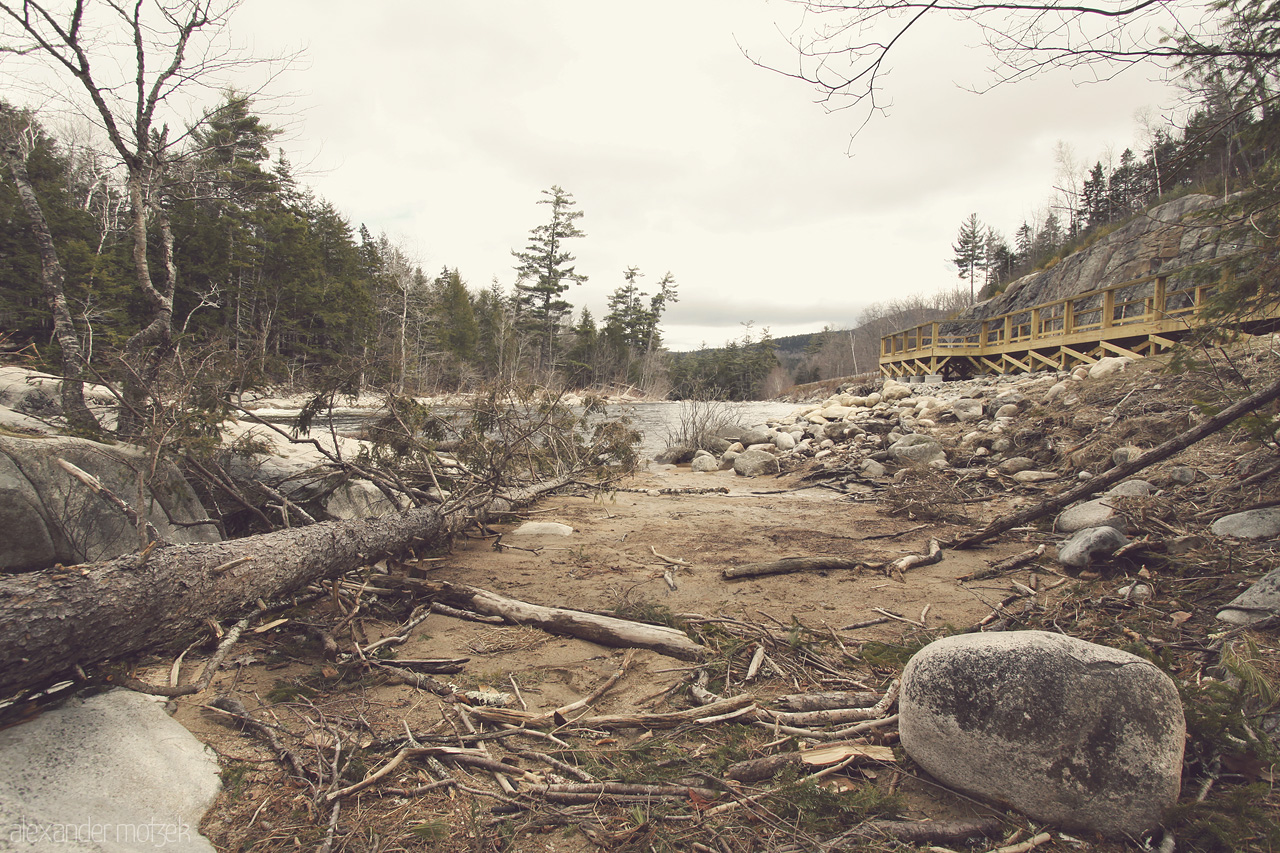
1075	734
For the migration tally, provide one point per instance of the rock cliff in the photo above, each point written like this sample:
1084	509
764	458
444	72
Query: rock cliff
1166	239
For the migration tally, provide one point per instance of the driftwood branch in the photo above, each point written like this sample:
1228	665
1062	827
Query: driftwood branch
825	701
1008	564
791	564
915	561
1092	486
911	832
94	485
605	630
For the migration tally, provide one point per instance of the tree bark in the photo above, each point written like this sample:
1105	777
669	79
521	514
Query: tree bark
53	282
56	619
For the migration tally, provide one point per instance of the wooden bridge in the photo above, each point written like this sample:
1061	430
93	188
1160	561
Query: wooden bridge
1136	318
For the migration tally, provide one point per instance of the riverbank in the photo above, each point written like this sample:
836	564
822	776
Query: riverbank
373	683
663	523
656	547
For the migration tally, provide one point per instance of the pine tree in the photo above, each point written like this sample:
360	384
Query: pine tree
545	272
970	250
1024	240
459	331
1095	203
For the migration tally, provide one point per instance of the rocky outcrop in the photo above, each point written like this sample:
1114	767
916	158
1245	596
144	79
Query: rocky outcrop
1079	735
1167	239
60	520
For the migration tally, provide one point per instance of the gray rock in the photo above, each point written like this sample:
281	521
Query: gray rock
1180	475
1015	464
1033	476
842	431
1121	455
674	455
40	394
1055	392
871	468
755	463
111	774
1256	603
1252	524
1109	365
716	444
1011	397
52	517
1098	512
1008	410
542	528
754	435
1131	488
967	410
358	499
1134	592
1068	732
784	441
1079	551
705	463
916	449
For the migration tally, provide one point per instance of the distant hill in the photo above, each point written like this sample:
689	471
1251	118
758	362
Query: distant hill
790	346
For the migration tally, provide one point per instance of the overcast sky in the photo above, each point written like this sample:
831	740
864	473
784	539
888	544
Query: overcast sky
441	124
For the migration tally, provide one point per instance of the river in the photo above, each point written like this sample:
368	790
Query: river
657	422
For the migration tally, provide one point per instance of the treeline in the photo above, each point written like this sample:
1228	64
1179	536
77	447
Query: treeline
282	289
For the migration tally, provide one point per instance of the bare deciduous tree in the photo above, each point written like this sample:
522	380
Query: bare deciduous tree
128	62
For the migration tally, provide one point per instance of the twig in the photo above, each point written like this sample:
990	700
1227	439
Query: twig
888	614
210	668
143	525
511	676
333	826
456	613
671	560
1030	844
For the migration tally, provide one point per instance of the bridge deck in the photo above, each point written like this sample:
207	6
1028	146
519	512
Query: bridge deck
1136	319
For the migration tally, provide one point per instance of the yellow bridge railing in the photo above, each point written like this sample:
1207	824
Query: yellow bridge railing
1135	318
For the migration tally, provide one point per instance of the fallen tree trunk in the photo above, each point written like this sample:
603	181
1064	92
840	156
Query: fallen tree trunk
605	630
54	620
1174	445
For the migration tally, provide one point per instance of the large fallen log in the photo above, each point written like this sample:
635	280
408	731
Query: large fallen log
54	620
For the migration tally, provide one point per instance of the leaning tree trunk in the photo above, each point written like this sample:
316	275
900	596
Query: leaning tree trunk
54	620
53	281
